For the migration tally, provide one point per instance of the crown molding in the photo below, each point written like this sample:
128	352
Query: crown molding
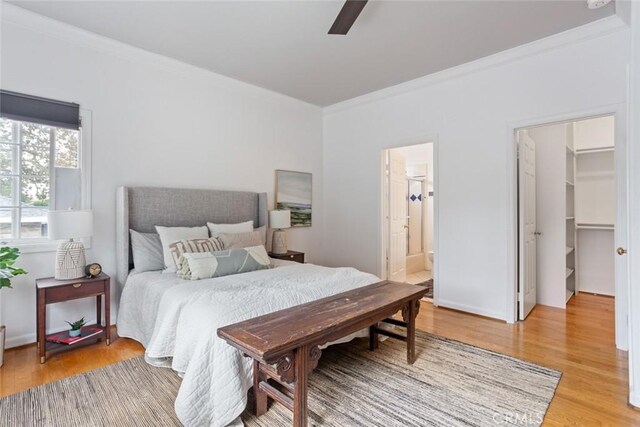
596	29
17	16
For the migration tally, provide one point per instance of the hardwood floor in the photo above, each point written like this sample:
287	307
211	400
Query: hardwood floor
579	342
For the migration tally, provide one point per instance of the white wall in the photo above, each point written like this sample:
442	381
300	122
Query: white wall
471	114
551	142
156	122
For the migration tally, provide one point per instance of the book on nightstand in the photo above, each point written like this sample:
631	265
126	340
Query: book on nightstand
64	338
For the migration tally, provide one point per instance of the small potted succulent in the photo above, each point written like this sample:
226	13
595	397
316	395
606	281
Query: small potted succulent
8	257
76	327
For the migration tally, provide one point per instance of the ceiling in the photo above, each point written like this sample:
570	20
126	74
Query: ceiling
284	45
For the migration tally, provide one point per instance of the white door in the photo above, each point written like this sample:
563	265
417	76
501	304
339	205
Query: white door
397	217
621	235
527	223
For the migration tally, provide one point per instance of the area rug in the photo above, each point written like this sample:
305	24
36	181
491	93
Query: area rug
451	384
429	285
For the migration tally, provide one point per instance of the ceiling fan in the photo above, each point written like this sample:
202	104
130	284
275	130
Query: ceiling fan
347	16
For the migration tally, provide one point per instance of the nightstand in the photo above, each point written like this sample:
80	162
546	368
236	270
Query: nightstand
50	290
289	256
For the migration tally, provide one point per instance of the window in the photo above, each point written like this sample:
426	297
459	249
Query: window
40	169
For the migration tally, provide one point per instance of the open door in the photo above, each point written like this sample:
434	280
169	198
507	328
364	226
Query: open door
526	224
397	217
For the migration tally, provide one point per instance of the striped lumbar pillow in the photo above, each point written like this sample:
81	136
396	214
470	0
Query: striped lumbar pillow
182	247
196	266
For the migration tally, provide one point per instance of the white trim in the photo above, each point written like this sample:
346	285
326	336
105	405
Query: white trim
599	28
469	308
425	139
62	31
634	208
619	111
634	399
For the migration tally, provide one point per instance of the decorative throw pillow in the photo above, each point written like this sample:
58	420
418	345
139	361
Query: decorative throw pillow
147	251
243	240
182	247
241	227
168	235
204	265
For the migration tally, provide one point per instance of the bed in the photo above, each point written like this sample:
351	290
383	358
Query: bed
176	320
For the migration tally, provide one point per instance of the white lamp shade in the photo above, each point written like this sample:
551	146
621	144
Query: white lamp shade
70	224
280	219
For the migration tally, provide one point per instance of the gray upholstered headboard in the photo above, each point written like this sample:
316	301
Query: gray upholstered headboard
142	208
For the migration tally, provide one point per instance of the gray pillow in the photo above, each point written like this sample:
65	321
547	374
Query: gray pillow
204	265
147	251
242	240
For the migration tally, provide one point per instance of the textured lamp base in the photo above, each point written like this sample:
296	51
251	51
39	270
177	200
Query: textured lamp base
70	261
279	242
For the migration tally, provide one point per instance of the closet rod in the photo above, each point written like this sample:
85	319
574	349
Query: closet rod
595	150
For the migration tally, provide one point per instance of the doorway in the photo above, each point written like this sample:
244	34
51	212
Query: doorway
409	215
571	215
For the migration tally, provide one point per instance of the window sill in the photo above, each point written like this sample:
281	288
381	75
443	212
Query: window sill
31	248
41	246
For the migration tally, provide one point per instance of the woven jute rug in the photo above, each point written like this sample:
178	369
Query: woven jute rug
451	384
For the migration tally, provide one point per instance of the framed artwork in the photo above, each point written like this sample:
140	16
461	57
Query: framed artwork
293	193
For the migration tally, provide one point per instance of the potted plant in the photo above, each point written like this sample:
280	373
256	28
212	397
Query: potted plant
8	257
76	327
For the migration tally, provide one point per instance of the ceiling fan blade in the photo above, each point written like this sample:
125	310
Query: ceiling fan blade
347	16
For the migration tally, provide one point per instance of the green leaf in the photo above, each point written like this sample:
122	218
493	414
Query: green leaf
5	283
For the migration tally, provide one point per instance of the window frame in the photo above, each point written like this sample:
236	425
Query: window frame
43	244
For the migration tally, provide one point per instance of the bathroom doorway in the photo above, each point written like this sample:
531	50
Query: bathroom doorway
409	215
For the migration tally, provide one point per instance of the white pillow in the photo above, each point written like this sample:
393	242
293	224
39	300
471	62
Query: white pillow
241	227
168	235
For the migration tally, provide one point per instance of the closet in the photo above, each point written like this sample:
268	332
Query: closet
575	209
595	204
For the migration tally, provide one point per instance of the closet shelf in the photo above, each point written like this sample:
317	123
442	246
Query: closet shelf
594	226
569	272
568	250
569	218
570	183
569	294
595	150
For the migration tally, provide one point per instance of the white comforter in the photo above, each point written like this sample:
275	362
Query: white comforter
178	320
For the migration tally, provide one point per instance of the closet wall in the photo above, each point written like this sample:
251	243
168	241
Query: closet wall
595	204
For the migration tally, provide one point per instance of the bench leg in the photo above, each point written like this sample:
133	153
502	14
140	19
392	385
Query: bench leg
412	312
260	397
300	391
373	337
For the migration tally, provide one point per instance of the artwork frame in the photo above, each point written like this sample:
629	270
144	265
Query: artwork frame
294	192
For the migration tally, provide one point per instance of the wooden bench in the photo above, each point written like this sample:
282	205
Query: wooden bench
285	345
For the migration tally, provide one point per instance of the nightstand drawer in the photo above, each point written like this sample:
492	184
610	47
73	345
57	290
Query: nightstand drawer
289	256
295	257
74	291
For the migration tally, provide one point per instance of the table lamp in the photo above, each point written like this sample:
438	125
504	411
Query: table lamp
279	220
70	224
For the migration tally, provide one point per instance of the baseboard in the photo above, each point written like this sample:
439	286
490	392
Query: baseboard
634	399
20	340
471	309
